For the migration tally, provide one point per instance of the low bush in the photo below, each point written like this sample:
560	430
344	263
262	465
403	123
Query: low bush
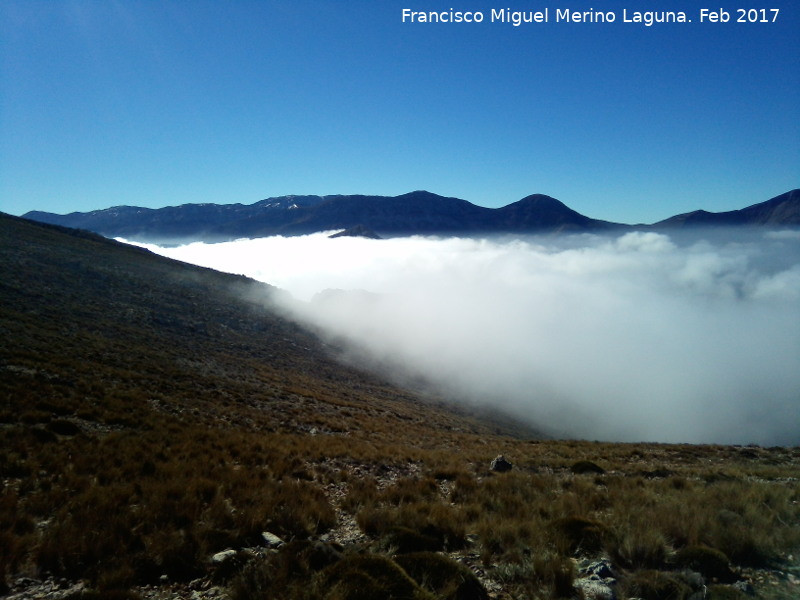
583	467
655	585
442	576
63	427
415	527
579	535
362	492
92	594
403	540
547	573
639	549
725	592
367	577
710	563
286	574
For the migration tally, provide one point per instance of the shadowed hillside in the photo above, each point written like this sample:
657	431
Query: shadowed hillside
164	432
189	340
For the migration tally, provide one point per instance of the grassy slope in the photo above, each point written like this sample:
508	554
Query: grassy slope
153	413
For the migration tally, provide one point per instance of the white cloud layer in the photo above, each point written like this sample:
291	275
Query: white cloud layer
629	338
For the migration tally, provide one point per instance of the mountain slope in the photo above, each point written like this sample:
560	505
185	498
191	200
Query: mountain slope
780	211
153	413
75	304
188	221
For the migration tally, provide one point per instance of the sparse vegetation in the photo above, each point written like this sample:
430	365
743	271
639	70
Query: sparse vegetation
656	585
153	415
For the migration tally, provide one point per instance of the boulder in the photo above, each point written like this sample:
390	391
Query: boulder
271	540
221	557
596	580
500	464
595	589
599	569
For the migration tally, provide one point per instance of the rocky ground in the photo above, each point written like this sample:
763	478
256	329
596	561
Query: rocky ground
596	577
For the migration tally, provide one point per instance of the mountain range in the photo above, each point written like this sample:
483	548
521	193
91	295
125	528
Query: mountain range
417	212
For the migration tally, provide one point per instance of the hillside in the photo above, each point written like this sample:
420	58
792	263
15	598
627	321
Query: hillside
79	306
156	419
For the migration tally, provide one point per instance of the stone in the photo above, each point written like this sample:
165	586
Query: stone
745	587
221	557
500	464
600	569
596	580
595	589
271	540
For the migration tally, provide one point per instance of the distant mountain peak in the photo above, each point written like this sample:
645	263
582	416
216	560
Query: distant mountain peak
540	199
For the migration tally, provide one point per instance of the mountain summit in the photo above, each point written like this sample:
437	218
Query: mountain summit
543	212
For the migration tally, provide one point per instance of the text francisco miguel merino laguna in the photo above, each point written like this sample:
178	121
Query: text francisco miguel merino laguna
566	15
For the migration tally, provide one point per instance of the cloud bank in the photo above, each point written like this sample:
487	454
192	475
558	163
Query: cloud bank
639	337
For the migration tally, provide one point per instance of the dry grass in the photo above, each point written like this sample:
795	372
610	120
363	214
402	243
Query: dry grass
152	415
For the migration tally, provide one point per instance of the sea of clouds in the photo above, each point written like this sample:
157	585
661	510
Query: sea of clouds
635	337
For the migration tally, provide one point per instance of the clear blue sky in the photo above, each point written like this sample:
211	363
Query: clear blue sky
156	103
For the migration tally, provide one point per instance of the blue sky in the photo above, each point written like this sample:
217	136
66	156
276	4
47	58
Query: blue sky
148	103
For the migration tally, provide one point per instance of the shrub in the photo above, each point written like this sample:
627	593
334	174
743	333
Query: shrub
63	427
4	589
103	595
411	489
709	562
404	540
176	554
546	571
655	585
367	577
32	417
577	535
362	492
415	527
506	539
640	549
464	488
724	592
254	582
558	573
43	436
583	467
443	576
286	574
